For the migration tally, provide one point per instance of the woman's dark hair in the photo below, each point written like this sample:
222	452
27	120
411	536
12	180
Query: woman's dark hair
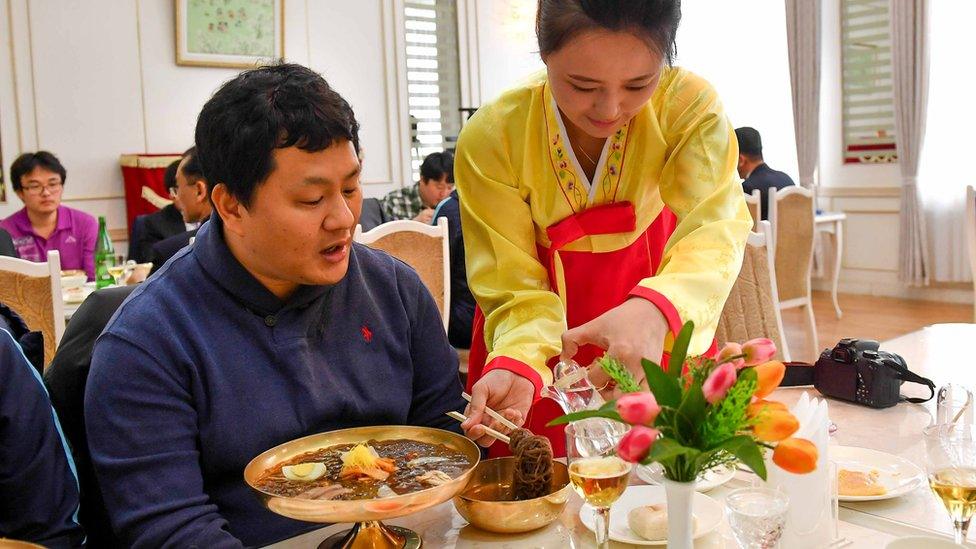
27	162
436	165
656	21
263	109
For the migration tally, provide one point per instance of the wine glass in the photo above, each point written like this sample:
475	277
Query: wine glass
599	478
757	516
950	460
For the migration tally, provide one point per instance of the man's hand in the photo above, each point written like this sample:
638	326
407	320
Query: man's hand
425	216
629	332
507	393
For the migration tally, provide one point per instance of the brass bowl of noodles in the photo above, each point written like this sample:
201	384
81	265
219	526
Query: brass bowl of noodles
360	510
487	502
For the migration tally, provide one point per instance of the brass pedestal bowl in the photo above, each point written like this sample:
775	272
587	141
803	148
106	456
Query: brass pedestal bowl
366	513
487	501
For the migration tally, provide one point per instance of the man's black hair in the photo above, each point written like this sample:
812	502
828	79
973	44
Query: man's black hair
27	162
750	144
436	165
264	109
192	170
169	176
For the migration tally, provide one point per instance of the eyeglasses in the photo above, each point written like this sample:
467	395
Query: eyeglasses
51	188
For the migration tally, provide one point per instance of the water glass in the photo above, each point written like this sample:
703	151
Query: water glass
954	404
757	516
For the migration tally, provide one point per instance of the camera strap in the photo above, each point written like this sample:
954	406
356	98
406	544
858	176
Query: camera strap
905	374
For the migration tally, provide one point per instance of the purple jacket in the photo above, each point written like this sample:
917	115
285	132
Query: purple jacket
74	237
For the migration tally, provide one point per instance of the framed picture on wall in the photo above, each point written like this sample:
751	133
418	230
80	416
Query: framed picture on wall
229	33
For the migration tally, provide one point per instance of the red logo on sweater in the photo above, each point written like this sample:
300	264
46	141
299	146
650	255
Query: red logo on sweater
367	334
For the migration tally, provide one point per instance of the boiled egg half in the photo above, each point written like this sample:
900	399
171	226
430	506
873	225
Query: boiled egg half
304	471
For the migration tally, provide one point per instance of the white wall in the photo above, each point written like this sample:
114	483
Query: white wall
92	80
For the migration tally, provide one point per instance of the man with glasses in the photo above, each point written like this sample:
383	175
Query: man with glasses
44	224
418	202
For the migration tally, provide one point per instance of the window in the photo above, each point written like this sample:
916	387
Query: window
868	100
433	84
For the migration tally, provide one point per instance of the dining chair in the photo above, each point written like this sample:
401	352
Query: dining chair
754	202
751	310
971	236
423	247
791	216
33	291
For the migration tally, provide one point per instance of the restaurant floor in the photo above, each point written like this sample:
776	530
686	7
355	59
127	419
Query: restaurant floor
868	317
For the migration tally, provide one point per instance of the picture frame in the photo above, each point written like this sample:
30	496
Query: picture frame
229	33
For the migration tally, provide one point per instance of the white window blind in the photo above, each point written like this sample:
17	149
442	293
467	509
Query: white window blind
433	83
868	96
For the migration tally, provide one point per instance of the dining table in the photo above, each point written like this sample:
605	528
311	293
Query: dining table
938	352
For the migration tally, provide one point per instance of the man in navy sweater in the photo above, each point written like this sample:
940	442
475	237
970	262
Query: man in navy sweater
273	325
754	170
38	485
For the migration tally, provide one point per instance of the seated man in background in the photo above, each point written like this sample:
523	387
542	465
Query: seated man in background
38	487
160	224
462	302
418	202
273	325
753	169
192	192
43	224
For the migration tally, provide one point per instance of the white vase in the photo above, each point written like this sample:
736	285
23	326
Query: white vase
681	520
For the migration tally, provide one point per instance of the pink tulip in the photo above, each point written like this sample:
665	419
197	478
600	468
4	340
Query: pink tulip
638	408
718	383
636	444
758	350
731	349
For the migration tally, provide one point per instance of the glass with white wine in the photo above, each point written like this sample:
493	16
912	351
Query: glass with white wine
600	479
950	460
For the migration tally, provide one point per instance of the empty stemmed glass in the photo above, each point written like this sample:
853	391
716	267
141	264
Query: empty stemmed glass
599	478
950	461
757	516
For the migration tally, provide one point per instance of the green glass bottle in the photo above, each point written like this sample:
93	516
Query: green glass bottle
104	256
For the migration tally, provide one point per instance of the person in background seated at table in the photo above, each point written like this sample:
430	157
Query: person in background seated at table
38	484
193	194
418	202
43	224
754	170
7	247
462	302
160	224
272	326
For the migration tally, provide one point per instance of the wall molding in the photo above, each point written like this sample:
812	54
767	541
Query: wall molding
859	192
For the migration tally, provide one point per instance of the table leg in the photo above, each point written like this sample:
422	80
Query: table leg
838	238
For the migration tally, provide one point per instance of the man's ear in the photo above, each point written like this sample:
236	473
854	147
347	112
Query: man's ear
230	210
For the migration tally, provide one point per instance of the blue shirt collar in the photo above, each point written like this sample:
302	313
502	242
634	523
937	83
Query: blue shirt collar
213	254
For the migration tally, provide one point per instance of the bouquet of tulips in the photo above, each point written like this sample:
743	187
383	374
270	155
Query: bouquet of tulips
703	412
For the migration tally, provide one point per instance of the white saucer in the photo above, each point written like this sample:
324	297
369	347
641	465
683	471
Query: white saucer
898	475
707	511
709	480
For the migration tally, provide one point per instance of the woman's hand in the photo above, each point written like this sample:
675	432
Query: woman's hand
504	391
629	332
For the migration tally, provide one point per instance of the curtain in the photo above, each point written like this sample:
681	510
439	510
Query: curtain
948	138
803	40
910	71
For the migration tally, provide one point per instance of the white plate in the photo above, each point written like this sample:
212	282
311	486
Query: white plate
706	510
898	475
711	479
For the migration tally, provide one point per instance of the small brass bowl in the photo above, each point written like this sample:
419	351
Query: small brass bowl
486	502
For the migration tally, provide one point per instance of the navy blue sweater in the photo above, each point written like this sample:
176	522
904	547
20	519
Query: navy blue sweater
762	179
38	484
203	368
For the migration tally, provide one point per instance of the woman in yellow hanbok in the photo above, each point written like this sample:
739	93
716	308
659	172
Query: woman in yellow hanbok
600	207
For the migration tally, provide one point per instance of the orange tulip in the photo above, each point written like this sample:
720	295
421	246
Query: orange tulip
770	375
796	455
774	426
760	406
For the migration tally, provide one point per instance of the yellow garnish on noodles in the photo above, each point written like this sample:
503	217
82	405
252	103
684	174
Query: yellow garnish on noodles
362	462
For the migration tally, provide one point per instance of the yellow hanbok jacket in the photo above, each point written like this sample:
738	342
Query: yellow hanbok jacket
664	219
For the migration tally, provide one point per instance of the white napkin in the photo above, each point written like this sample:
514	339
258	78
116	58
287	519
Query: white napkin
810	521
